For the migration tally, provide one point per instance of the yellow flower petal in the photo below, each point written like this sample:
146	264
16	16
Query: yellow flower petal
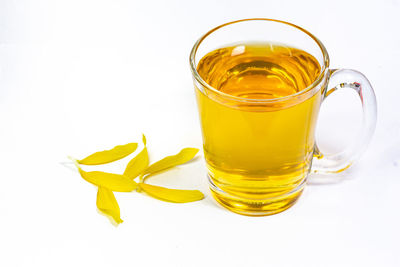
107	204
112	181
138	164
144	140
108	156
183	156
171	195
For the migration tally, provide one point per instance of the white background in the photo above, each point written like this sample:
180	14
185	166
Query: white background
80	76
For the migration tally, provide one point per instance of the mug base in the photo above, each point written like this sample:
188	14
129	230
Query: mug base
256	207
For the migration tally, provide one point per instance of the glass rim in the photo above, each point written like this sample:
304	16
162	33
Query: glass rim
314	84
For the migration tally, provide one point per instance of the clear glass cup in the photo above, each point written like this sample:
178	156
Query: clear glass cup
258	151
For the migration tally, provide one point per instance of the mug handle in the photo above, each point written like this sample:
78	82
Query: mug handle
338	162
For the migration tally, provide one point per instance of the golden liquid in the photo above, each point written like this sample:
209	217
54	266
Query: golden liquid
257	153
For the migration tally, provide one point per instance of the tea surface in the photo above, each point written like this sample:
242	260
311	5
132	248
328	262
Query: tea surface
259	70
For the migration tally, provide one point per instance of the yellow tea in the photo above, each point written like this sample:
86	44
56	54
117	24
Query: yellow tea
258	151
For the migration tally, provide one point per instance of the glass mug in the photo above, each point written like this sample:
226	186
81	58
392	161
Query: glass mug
259	145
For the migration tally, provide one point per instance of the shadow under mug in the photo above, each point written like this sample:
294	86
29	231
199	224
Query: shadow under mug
259	152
